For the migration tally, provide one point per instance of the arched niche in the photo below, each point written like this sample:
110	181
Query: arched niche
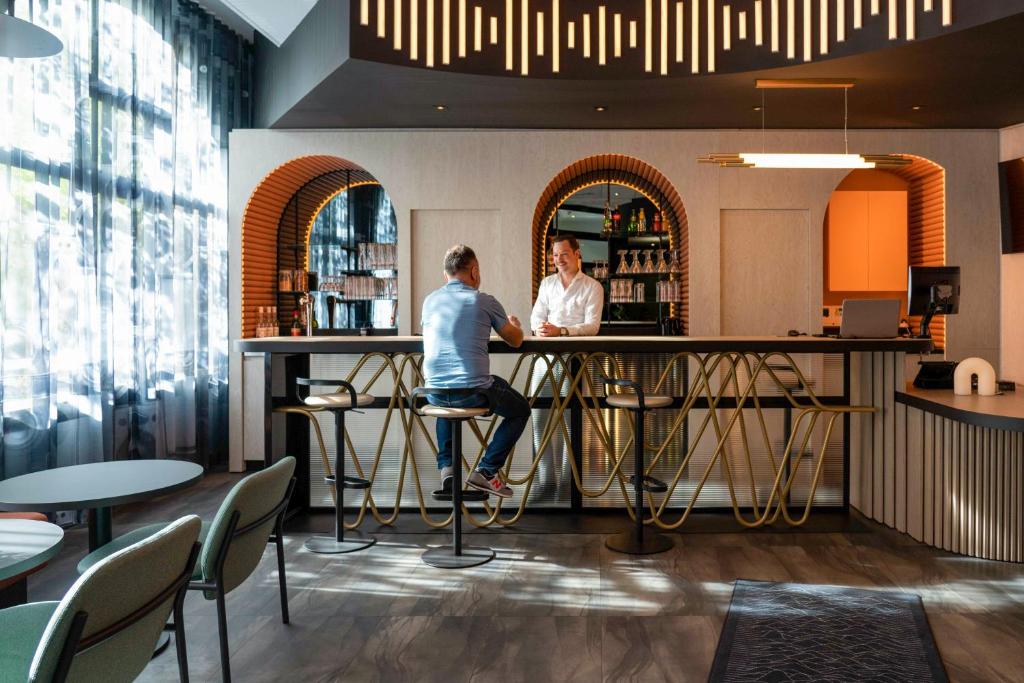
616	169
276	224
925	184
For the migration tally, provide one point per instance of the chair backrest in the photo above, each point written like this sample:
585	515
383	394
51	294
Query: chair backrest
254	499
126	599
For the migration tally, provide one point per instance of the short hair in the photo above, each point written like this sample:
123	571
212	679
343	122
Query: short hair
574	243
458	258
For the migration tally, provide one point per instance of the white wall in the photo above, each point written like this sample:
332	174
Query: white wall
505	172
1011	365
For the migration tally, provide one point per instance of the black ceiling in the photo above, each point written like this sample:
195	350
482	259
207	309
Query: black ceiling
973	78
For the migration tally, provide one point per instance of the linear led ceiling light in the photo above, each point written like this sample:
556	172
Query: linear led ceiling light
765	159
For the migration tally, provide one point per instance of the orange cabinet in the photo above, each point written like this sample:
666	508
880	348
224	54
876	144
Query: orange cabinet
867	241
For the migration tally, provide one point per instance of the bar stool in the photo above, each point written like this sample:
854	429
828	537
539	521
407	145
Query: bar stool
457	556
637	541
338	404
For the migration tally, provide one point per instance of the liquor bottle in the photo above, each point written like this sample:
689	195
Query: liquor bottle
607	226
641	226
657	227
296	325
616	219
632	223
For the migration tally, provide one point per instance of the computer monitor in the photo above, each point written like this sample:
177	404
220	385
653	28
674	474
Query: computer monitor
931	290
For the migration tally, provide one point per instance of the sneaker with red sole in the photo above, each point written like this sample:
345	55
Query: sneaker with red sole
492	484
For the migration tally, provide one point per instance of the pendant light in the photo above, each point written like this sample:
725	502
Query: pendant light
23	39
798	160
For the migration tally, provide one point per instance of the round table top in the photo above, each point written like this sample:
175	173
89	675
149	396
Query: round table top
25	544
96	485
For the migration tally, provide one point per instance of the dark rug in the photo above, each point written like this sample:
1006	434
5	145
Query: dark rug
794	632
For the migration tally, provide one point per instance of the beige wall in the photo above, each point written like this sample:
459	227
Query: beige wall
503	173
1011	364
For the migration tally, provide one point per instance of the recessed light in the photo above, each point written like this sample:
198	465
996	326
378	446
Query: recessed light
600	108
616	194
441	107
916	107
757	108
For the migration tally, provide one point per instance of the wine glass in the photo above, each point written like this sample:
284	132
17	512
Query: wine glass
623	268
636	261
662	264
648	263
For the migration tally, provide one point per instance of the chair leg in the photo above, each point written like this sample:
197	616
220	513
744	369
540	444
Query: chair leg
280	572
222	630
179	637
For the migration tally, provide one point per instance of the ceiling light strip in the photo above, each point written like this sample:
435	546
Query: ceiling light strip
741	19
462	28
397	13
555	37
602	35
840	21
617	31
524	37
510	59
494	30
947	12
664	37
571	35
478	28
911	21
808	34
446	31
875	8
791	29
648	28
775	25
586	36
712	39
679	32
540	34
364	12
414	30
726	27
758	23
694	36
928	5
858	14
823	27
894	28
382	18
632	34
803	161
429	47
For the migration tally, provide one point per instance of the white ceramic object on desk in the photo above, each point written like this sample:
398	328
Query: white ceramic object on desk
974	366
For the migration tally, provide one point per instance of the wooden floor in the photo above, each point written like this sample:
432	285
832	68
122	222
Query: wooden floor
554	606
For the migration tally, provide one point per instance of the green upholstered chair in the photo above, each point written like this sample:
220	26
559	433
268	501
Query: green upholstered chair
106	626
233	543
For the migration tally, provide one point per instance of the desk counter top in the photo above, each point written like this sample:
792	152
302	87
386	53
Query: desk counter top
1003	411
611	344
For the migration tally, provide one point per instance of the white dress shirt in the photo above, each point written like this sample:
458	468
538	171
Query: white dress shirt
576	307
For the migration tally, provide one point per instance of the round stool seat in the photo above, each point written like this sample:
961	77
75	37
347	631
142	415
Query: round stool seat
453	413
631	402
468	495
338	401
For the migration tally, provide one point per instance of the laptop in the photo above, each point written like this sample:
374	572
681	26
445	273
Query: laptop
870	319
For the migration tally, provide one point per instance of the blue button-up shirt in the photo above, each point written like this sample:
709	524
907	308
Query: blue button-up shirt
457	322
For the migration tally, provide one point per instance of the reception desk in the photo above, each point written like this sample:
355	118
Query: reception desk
764	427
954	477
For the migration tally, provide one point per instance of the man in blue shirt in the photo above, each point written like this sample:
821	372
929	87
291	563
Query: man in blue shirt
457	321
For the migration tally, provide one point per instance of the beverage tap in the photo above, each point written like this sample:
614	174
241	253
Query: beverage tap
307	301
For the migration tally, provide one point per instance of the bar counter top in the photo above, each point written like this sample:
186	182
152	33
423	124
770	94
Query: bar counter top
611	344
1003	411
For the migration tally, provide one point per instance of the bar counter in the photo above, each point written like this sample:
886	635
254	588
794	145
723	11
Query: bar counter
758	426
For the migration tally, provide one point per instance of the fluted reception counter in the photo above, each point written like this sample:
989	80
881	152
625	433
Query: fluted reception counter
759	426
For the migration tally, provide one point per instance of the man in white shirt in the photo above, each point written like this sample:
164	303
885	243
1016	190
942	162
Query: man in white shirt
569	304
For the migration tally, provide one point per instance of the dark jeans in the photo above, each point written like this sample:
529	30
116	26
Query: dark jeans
504	401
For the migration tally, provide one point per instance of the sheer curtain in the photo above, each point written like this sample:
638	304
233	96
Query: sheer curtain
113	234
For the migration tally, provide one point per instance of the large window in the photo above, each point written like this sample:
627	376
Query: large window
113	234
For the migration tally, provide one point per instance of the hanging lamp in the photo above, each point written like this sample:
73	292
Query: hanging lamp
799	160
22	39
